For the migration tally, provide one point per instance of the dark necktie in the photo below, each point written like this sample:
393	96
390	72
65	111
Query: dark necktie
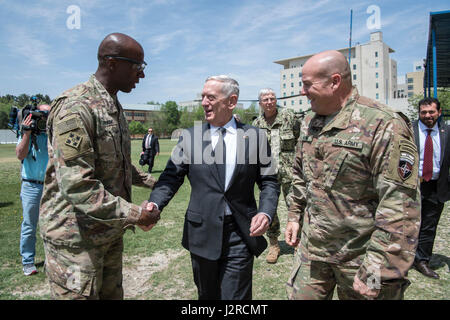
221	156
427	170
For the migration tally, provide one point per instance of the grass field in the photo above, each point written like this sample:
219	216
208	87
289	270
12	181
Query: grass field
156	267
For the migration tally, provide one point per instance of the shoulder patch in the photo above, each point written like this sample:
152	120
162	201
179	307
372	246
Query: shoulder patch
74	140
71	137
403	163
67	125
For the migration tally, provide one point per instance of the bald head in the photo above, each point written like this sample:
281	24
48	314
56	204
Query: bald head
117	44
330	62
327	81
120	63
44	107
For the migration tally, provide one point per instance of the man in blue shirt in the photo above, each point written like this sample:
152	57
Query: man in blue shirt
34	159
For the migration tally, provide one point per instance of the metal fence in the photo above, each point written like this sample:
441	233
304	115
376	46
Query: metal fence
8	137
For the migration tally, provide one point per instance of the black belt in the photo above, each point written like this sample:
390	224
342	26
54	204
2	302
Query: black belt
33	181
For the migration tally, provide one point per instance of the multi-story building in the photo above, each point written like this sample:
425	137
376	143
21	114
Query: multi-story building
374	73
414	80
140	112
191	104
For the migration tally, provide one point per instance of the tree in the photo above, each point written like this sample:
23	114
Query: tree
158	122
247	115
9	100
188	118
136	127
443	97
170	108
412	112
4	118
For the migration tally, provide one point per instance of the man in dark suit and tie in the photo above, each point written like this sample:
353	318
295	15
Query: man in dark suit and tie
432	140
223	160
150	148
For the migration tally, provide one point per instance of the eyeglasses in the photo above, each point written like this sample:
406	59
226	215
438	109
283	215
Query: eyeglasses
138	65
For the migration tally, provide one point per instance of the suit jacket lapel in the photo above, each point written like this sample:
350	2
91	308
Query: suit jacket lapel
442	140
416	134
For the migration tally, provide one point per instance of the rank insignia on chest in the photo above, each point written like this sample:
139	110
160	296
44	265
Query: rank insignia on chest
405	165
74	140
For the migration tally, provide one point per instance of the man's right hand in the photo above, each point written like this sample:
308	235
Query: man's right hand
27	123
149	216
290	235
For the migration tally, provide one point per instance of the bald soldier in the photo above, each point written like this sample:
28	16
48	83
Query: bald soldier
355	191
86	205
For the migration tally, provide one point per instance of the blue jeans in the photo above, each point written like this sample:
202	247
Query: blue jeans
31	196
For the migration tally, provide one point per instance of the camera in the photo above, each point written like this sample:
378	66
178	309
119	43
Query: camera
38	118
144	158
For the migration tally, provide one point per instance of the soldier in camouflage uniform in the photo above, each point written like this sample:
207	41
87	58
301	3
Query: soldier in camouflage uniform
283	128
86	205
355	191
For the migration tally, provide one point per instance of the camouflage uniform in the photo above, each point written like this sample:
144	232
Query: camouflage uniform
86	205
355	191
282	135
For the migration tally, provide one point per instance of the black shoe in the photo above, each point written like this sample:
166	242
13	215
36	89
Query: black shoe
423	268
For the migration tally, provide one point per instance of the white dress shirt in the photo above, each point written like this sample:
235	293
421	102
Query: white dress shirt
423	133
148	141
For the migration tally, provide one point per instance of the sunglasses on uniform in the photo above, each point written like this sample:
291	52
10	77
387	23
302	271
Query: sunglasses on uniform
138	65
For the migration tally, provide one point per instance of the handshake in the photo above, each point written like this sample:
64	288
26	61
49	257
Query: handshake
149	216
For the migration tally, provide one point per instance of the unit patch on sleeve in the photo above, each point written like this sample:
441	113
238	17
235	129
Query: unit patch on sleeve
403	165
74	140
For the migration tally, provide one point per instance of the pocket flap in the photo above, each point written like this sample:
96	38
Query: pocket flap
194	217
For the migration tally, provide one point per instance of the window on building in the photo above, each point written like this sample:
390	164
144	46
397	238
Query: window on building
284	77
292	84
410	80
284	94
300	84
410	94
354	67
292	93
376	75
284	103
292	102
299	74
300	101
376	54
376	85
377	96
292	76
376	64
284	85
354	77
410	87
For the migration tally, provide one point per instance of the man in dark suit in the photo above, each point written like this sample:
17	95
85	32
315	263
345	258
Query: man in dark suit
223	228
150	148
432	140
